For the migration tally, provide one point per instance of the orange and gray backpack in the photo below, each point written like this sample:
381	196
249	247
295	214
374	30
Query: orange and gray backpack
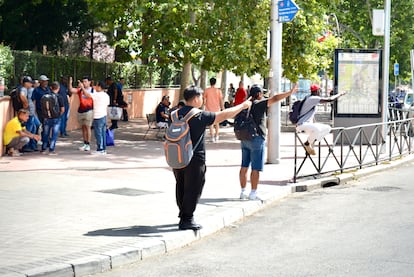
178	146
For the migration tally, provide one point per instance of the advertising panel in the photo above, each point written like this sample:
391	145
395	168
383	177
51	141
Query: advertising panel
359	72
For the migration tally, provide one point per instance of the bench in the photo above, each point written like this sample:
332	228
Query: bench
152	126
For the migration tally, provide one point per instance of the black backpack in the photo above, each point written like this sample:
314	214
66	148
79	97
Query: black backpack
245	128
50	106
16	100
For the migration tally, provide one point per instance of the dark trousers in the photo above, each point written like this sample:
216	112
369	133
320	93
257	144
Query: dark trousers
114	124
189	186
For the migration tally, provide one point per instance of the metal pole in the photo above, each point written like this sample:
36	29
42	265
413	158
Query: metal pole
386	64
273	150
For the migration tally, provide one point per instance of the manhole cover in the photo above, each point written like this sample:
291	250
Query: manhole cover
383	188
128	191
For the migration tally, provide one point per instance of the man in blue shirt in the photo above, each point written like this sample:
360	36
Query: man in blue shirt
65	93
38	93
121	102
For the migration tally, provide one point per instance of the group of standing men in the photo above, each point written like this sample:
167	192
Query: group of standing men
45	109
190	180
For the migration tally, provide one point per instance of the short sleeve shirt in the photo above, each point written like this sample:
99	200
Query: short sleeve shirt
240	96
198	126
161	108
100	104
306	113
258	111
37	95
11	130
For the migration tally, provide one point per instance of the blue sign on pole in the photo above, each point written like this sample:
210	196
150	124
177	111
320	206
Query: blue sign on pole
287	10
396	69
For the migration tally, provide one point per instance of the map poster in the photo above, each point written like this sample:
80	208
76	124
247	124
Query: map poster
358	72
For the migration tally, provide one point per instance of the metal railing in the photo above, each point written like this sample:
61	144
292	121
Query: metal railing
136	75
356	147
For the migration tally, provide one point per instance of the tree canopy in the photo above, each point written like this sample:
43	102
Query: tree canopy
212	35
30	25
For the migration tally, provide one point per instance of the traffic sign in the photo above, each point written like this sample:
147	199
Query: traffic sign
396	69
287	10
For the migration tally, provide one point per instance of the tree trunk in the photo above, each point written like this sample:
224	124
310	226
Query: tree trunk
203	79
224	85
185	78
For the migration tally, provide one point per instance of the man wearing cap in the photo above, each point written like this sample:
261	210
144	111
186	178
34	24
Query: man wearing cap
162	112
190	179
38	92
26	92
253	150
316	131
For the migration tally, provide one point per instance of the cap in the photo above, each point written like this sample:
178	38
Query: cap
192	91
43	78
27	79
315	87
255	90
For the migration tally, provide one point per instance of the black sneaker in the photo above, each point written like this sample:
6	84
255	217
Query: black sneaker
189	225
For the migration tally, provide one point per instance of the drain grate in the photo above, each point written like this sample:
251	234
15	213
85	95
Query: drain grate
383	188
128	191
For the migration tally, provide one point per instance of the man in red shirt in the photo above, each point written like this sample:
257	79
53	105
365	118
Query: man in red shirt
241	95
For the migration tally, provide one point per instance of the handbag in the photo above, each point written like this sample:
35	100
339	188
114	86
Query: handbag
110	140
245	128
114	113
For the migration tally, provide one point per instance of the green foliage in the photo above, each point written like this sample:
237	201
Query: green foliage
356	32
6	62
303	54
28	25
212	35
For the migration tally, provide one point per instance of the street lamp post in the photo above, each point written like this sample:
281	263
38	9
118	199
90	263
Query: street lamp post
273	150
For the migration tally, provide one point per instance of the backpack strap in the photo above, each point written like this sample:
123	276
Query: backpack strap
300	112
191	114
187	117
174	116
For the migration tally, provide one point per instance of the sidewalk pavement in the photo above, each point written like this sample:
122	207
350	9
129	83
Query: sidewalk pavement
76	214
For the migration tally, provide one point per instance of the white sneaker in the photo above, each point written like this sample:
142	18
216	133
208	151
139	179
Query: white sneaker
82	148
243	196
87	147
102	152
216	138
253	196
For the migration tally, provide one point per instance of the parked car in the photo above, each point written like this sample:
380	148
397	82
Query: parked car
408	101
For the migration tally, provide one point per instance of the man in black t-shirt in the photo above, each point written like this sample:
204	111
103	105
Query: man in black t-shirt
253	150
51	123
162	112
190	179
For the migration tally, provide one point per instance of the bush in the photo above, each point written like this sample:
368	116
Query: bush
6	63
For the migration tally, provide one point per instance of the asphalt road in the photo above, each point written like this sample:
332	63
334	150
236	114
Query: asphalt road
363	228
